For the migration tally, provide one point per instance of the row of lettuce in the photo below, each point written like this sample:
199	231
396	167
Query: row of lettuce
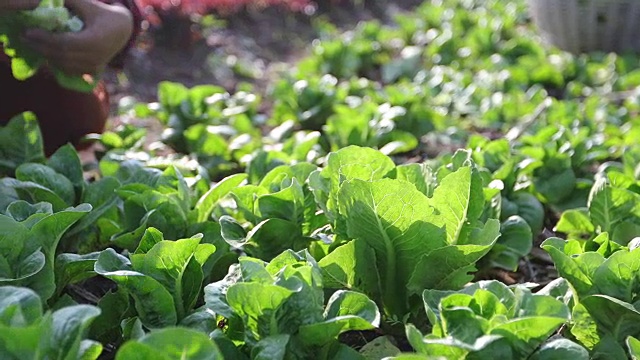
280	267
269	237
564	114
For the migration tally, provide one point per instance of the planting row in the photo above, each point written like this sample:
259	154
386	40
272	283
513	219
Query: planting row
394	167
279	268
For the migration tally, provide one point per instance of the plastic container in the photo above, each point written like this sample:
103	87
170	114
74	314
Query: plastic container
582	26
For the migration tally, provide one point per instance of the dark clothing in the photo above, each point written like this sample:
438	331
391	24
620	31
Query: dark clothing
65	116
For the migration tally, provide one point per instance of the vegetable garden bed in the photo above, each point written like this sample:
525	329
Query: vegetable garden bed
444	188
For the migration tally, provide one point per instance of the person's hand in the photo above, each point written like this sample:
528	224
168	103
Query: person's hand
107	29
17	5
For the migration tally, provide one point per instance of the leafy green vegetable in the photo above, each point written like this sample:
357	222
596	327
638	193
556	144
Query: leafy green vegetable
28	243
488	318
171	343
394	163
634	347
163	277
515	242
277	309
21	142
409	231
27	332
611	209
606	286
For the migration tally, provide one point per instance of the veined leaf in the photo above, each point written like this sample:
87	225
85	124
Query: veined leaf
171	343
560	349
609	205
393	218
615	317
154	303
633	345
167	263
346	164
449	266
459	202
208	201
342	270
618	275
256	303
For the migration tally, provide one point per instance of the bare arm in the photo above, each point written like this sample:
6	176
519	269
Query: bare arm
108	31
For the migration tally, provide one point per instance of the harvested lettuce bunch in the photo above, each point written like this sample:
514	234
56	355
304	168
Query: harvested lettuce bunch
50	15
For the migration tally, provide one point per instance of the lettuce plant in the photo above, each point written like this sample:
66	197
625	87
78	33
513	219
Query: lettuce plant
20	142
277	310
51	15
171	343
277	214
29	238
520	212
418	242
489	319
28	332
605	282
163	277
148	197
612	209
364	123
511	169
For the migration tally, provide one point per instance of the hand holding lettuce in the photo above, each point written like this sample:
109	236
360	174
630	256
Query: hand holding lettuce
49	15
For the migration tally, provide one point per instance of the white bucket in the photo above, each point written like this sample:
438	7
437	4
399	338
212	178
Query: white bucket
580	26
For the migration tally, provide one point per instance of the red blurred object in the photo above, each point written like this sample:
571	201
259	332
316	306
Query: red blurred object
202	7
